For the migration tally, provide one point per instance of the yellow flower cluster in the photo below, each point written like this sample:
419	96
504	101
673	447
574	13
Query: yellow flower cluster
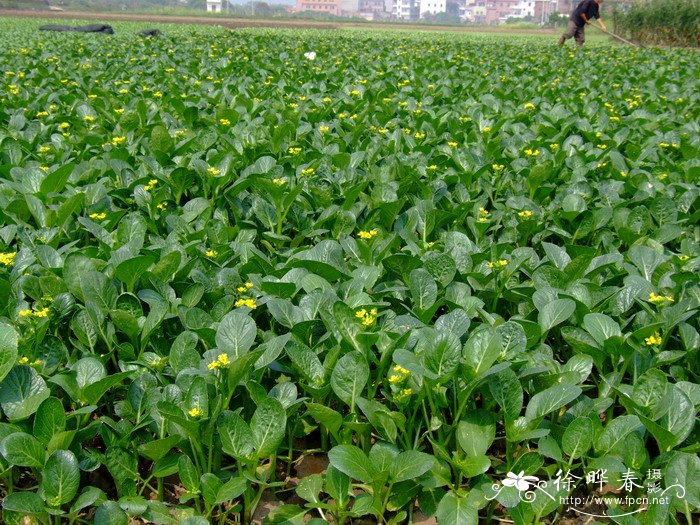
419	135
213	171
294	151
452	144
118	141
224	122
151	184
368	234
211	253
525	214
432	167
279	182
497	167
221	362
554	146
660	299
367	318
667	145
683	257
250	303
42	114
8	258
44	149
161	205
44	312
308	171
654	340
245	287
98	216
532	152
89	118
497	265
324	129
25	361
529	106
399	376
195	412
602	146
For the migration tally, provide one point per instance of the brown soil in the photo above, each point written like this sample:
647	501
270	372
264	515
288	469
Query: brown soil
244	22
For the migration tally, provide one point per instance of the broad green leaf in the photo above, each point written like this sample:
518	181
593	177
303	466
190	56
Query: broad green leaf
235	334
21	393
550	400
456	509
601	327
351	461
8	349
507	392
349	377
481	350
476	432
24	503
50	419
578	437
23	450
423	289
110	513
555	312
616	431
236	436
268	427
61	478
188	474
410	465
443	356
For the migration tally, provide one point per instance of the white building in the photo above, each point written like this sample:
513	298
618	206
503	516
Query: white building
523	8
213	6
432	7
404	9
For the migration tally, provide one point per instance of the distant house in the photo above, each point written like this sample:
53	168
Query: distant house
332	7
214	6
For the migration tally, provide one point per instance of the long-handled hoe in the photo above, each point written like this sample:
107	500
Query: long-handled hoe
617	37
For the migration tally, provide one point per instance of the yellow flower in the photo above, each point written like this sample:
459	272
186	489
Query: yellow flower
654	340
44	312
42	114
211	253
92	96
37	362
279	182
327	99
683	257
483	211
23	360
525	214
151	184
195	412
400	370
88	118
501	263
117	141
532	152
355	92
529	105
497	167
119	110
157	94
486	129
8	258
64	125
554	146
294	151
123	91
482	219
223	359
308	171
161	205
25	313
361	313
324	129
394	379
432	167
213	171
224	122
452	144
382	131
250	303
368	234
658	299
44	168
44	149
98	216
418	135
602	146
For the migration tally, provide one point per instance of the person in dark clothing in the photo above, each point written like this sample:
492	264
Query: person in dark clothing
585	11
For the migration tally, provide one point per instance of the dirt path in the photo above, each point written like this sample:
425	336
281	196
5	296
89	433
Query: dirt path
250	22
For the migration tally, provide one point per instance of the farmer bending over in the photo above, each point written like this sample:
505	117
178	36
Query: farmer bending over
585	11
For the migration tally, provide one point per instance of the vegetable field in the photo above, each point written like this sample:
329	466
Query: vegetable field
346	277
